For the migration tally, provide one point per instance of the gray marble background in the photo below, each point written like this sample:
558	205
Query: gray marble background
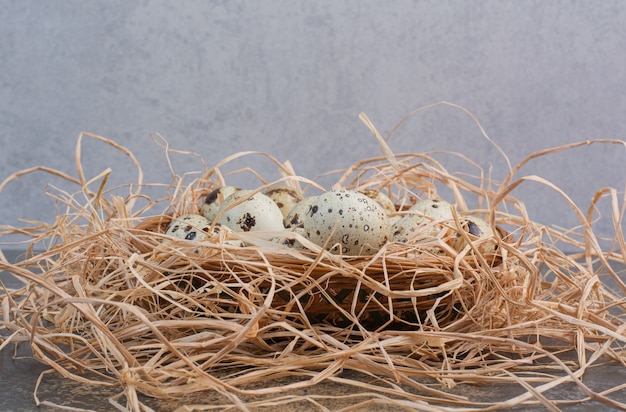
291	77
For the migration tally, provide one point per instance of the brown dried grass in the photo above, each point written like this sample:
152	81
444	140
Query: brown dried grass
108	303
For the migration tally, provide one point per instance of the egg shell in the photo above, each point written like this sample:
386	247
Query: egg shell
403	228
381	198
436	209
192	227
420	215
477	229
289	241
256	213
189	227
285	197
221	233
297	214
198	228
358	224
214	200
394	219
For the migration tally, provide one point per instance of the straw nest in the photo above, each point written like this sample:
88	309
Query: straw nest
113	301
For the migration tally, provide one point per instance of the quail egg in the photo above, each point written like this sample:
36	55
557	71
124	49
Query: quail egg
298	212
477	229
285	197
213	201
198	228
291	241
349	219
189	227
381	198
423	212
256	213
221	233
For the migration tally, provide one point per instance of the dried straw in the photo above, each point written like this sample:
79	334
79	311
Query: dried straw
110	303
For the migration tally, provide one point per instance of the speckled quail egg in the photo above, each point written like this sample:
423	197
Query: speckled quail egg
198	228
225	234
358	224
285	197
213	201
189	227
394	219
256	213
477	229
297	213
424	211
291	241
381	198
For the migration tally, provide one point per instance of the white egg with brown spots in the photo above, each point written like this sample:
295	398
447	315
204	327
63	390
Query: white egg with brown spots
189	227
254	213
289	240
192	227
214	200
421	216
347	222
381	198
285	198
221	233
297	214
198	228
479	232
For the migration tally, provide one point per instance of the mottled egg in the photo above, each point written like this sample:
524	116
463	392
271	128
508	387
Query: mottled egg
213	201
349	219
477	229
297	213
290	241
256	213
381	198
285	197
189	227
198	228
221	233
392	221
422	213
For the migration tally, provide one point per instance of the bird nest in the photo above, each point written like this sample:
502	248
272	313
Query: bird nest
111	300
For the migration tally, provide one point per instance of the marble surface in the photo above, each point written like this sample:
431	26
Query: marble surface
290	78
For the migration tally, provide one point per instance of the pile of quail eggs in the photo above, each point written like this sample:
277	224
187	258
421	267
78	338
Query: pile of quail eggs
342	221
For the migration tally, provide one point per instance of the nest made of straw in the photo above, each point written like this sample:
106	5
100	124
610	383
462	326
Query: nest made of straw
109	302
